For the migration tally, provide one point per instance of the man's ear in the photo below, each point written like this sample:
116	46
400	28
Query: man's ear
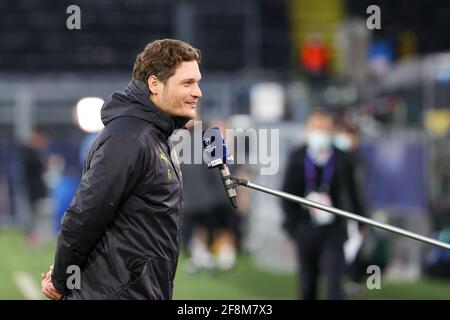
154	84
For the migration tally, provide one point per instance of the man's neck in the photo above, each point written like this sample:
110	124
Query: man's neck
158	104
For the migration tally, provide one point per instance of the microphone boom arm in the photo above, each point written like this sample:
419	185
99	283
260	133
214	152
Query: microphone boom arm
245	183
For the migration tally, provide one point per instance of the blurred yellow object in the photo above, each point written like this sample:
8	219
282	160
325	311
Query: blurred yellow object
408	44
437	121
224	250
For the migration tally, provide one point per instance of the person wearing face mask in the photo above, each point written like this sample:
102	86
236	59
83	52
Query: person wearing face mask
319	172
346	139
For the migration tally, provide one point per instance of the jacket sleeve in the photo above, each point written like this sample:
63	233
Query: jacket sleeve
112	170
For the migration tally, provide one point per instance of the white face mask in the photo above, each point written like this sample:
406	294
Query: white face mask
342	142
318	141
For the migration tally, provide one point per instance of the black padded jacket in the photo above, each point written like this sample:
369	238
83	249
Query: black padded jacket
122	229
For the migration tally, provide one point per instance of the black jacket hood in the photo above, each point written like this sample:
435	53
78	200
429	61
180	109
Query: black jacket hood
135	102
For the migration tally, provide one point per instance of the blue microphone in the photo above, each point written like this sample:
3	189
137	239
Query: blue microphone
215	154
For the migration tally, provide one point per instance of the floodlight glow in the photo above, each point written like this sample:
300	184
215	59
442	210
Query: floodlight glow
88	114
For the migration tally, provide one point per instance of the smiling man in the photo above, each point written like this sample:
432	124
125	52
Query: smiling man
122	229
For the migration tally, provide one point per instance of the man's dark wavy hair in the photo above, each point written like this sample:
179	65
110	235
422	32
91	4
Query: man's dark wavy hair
161	58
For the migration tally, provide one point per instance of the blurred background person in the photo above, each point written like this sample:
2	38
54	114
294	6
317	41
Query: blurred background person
346	139
211	225
357	257
199	198
33	165
321	173
226	221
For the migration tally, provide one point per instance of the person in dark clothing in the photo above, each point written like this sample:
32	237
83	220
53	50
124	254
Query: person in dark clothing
201	193
33	179
123	227
324	174
346	139
211	225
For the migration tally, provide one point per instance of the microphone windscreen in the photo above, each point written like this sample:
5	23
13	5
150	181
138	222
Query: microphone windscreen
215	150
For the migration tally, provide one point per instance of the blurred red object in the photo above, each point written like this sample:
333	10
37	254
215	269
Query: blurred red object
314	56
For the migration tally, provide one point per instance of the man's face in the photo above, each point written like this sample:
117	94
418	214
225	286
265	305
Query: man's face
180	94
39	141
319	133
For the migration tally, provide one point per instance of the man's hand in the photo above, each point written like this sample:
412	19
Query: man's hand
47	286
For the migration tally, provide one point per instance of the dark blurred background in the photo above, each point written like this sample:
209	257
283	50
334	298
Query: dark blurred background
392	85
